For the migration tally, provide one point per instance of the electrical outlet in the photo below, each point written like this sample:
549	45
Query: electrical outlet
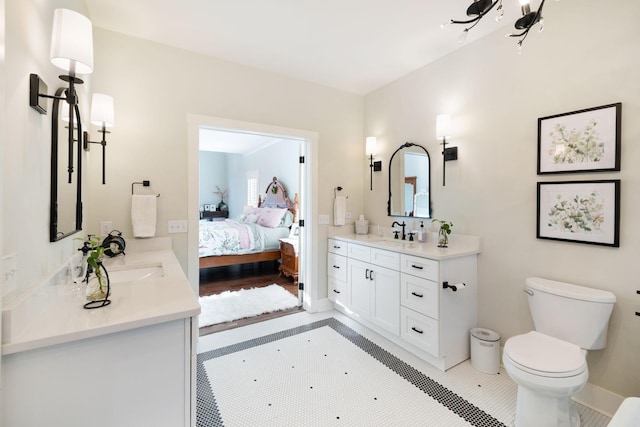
106	227
323	219
9	273
178	226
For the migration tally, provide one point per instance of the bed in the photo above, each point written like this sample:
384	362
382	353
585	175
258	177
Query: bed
255	237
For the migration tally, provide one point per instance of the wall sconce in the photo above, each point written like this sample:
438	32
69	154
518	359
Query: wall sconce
443	131
102	115
370	150
71	51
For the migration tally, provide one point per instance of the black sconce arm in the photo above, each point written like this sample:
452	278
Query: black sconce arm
86	142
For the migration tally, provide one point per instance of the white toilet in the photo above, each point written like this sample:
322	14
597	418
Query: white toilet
549	364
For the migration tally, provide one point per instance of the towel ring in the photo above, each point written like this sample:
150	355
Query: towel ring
335	191
144	184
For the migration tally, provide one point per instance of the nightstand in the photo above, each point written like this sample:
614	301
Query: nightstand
215	215
289	257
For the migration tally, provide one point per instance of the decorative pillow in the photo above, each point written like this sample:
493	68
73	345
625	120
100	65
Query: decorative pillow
287	219
251	218
271	217
250	211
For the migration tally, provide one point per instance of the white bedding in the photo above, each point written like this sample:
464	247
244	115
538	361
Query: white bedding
234	237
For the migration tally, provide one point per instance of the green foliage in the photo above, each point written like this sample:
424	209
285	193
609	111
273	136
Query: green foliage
447	226
94	257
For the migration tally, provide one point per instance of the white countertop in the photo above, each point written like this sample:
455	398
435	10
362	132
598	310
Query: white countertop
54	314
459	245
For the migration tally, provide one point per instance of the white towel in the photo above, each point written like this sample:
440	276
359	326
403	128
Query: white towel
143	215
339	210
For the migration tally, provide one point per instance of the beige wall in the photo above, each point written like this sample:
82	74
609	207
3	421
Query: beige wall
155	88
586	57
26	141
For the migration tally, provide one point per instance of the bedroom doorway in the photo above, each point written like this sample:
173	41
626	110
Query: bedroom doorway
241	153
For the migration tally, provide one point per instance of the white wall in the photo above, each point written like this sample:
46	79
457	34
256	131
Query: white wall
155	87
26	141
587	56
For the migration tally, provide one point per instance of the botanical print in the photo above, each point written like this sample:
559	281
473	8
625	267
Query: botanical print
576	213
579	211
576	146
587	140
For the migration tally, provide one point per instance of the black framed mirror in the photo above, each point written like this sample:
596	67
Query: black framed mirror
410	182
66	170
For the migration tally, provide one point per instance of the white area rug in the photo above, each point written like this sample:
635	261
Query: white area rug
234	305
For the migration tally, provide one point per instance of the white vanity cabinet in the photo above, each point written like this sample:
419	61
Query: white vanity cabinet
401	294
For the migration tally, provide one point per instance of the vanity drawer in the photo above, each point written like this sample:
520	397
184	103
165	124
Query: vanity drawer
337	247
363	253
420	295
386	259
338	291
420	267
420	330
337	267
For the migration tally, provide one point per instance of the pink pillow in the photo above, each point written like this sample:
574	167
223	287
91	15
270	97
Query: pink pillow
271	217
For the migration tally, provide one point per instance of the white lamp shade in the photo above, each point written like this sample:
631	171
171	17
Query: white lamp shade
443	126
102	110
72	42
370	147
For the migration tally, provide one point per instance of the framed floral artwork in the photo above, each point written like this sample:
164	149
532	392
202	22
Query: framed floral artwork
580	211
580	141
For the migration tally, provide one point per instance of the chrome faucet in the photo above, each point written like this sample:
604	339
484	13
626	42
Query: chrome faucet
403	225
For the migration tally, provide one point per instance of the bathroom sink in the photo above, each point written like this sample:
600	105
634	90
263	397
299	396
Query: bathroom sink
390	243
135	273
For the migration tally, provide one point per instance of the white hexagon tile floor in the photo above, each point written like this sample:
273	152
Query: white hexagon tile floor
324	369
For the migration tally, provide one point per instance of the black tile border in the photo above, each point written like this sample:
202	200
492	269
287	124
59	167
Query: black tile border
208	414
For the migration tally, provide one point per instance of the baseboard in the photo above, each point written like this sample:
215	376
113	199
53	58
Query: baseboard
599	399
318	306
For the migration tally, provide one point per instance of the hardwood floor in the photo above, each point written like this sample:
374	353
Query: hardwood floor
235	277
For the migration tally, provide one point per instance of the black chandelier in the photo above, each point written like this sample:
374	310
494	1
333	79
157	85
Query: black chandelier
479	8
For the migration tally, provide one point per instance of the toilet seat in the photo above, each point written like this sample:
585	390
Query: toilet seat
545	356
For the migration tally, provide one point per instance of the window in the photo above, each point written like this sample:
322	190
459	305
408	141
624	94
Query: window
252	188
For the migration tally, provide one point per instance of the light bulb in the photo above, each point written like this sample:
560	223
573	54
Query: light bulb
463	36
500	13
520	47
541	23
445	24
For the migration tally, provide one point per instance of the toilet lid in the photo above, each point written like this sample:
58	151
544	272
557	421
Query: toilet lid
545	355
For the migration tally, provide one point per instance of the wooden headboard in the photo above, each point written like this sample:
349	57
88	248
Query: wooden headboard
276	197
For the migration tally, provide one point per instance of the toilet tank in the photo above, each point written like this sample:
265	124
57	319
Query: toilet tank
572	313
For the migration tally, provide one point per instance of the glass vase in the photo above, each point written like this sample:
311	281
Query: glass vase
443	238
98	285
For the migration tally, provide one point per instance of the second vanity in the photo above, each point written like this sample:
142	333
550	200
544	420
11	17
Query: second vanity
131	363
421	297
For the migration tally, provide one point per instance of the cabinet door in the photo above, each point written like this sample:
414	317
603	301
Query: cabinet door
360	286
385	308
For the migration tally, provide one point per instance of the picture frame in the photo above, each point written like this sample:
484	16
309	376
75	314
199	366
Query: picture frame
207	208
579	211
580	141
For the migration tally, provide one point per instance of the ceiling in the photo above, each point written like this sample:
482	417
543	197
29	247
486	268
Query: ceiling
351	45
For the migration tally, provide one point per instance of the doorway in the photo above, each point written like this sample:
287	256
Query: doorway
301	141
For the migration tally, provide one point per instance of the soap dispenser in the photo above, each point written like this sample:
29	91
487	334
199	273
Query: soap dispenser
422	234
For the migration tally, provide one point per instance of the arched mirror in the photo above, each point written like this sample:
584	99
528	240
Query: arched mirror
66	171
410	182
